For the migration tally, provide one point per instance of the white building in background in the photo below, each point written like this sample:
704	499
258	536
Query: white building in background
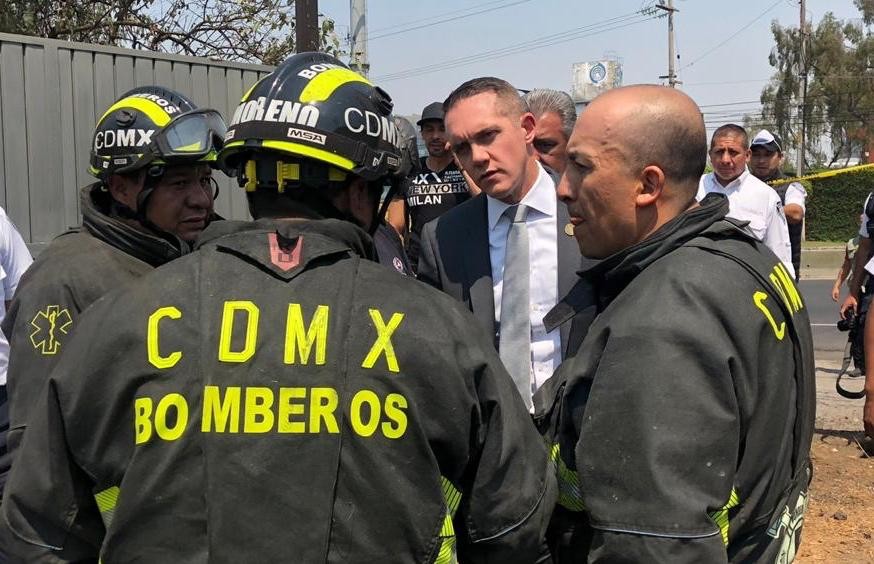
592	78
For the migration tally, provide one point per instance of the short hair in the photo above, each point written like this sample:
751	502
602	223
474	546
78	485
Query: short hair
731	129
543	100
513	102
677	146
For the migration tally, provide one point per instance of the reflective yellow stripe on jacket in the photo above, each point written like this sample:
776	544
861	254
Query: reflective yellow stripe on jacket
569	494
452	497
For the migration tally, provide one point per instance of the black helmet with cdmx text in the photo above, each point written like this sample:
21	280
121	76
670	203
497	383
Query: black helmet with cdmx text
153	126
150	128
308	126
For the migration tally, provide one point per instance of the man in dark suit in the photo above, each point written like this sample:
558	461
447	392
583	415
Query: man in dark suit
468	252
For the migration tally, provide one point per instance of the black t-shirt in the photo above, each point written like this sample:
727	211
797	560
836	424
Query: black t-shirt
431	193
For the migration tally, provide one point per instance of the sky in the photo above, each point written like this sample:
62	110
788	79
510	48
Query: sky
723	46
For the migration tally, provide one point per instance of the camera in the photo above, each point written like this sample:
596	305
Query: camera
849	323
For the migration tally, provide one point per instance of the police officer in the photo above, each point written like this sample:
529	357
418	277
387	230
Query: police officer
766	164
277	396
152	152
684	422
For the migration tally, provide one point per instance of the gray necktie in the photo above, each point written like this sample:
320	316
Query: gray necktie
515	341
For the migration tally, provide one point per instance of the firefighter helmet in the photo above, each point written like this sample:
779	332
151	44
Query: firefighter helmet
317	121
150	125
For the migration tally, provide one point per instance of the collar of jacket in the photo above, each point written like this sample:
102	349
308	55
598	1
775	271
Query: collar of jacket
349	235
98	220
600	284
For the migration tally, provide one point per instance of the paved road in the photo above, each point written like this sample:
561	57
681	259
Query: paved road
827	340
832	411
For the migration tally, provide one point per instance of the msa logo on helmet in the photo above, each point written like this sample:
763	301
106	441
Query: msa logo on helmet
304	135
123	138
371	124
313	70
168	106
281	111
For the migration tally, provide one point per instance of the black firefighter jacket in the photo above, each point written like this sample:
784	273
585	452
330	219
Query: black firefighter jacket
277	397
74	271
682	427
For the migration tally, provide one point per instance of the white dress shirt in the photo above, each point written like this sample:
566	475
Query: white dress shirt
543	261
750	199
14	260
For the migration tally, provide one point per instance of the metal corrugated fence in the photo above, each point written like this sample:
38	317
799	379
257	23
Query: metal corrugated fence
51	94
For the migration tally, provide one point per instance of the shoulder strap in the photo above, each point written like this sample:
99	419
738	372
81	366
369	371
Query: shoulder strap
805	381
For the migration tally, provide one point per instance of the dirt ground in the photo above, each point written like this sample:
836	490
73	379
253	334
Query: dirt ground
839	524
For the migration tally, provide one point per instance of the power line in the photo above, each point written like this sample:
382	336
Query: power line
444	14
611	24
434	21
733	35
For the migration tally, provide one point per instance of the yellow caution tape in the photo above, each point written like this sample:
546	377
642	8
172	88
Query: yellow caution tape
823	174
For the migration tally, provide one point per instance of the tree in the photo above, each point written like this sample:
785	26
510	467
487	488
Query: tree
260	31
839	102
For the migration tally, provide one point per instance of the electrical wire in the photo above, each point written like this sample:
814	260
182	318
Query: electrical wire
611	24
733	35
434	22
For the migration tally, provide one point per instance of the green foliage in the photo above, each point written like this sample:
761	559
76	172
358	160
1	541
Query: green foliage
835	203
255	31
839	106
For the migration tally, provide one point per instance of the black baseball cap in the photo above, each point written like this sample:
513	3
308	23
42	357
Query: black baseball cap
770	141
434	110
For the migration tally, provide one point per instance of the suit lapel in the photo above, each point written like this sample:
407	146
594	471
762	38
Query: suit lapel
569	260
478	267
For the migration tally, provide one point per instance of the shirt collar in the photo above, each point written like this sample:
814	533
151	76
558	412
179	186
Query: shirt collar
541	198
734	184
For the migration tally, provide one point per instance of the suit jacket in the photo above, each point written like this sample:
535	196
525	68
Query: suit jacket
455	259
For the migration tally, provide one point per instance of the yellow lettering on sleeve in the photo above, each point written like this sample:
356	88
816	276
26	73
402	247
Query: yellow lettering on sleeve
759	299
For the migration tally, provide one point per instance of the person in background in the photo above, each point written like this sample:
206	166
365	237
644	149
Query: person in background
435	187
554	118
749	198
766	164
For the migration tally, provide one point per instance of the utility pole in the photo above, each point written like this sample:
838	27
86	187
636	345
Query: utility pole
306	25
668	7
802	88
358	37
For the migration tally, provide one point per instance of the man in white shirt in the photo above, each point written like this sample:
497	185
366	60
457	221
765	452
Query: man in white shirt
749	198
14	260
468	252
766	164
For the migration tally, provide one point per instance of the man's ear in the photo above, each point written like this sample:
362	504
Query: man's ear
652	185
526	120
125	188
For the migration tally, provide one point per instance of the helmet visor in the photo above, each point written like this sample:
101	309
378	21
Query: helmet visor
192	136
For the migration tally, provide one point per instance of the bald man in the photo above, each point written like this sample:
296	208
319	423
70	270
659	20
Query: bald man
682	426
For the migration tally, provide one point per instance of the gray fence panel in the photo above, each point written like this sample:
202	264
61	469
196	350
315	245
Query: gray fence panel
51	95
15	137
42	148
124	75
68	144
235	194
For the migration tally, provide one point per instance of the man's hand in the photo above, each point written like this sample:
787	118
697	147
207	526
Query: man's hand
836	292
849	304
